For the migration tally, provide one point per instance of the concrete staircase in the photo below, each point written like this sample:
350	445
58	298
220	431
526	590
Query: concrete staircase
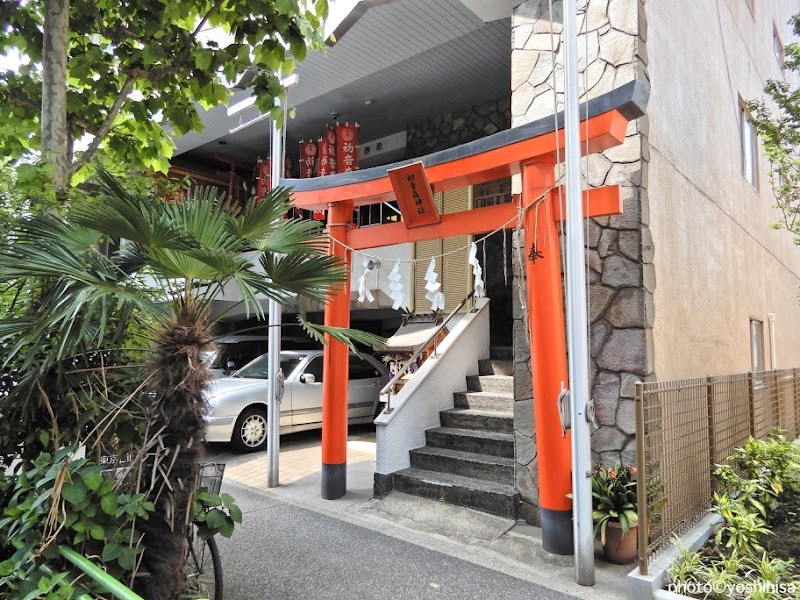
469	460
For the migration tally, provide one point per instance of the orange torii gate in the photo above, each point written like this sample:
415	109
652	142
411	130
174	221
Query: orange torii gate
529	150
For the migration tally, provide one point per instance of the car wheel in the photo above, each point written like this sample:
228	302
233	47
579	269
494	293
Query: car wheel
250	432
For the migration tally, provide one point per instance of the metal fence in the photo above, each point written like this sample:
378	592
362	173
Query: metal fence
684	428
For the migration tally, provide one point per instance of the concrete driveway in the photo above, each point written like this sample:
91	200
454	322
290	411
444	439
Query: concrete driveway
300	464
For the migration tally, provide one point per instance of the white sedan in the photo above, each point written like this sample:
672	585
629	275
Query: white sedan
237	405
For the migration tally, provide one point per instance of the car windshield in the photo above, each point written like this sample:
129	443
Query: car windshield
258	368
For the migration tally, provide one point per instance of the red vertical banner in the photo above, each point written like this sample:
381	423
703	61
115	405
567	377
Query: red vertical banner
308	158
330	133
327	153
347	147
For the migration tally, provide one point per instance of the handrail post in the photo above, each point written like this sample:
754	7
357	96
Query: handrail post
641	481
796	389
777	404
751	403
712	442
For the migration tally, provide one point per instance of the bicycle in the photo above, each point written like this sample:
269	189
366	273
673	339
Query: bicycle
203	567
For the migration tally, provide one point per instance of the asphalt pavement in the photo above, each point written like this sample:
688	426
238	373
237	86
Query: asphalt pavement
283	551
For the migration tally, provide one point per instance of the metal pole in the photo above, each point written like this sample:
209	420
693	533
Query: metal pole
576	314
641	482
274	343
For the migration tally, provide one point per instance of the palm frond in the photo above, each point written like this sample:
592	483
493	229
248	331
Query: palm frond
201	264
303	273
77	314
259	220
249	285
54	228
140	217
204	215
15	326
340	334
264	226
295	234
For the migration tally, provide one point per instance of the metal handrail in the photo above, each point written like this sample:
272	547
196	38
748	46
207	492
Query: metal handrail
388	389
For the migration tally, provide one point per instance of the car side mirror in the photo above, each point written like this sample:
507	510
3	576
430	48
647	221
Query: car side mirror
307	378
229	366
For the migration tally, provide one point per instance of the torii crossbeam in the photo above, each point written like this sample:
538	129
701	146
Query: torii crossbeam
529	150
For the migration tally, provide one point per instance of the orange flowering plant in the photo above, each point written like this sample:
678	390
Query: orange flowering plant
613	498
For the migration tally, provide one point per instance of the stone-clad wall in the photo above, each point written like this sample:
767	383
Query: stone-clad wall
611	52
459	127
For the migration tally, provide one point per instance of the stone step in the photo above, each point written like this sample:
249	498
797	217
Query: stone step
470	440
486	496
484	401
490	383
482	420
468	464
501	352
492	366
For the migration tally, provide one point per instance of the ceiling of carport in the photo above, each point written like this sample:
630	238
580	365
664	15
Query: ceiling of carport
414	58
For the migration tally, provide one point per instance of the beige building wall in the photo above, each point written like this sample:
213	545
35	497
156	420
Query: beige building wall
718	263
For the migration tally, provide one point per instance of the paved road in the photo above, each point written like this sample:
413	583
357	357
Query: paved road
283	552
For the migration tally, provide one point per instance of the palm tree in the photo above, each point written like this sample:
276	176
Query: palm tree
175	258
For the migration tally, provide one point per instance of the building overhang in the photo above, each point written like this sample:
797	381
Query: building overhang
486	159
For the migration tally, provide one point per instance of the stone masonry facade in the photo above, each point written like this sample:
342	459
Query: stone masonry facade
612	51
458	127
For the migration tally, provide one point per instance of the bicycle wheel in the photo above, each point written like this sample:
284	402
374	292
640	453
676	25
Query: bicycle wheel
203	568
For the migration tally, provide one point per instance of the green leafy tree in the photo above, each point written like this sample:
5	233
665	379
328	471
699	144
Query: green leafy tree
779	129
13	205
176	259
114	73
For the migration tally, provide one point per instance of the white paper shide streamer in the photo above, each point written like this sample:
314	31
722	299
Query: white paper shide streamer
477	271
433	287
363	290
395	287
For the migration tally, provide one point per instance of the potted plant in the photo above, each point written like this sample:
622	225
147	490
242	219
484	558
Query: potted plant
614	511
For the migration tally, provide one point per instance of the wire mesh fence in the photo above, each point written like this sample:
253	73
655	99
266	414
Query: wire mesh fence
685	427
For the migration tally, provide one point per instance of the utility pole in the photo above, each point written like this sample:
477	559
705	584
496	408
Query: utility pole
577	337
274	387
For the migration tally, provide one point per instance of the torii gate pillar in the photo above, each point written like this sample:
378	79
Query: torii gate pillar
548	355
335	361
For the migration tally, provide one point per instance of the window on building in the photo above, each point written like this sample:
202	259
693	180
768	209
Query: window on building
757	345
377	214
491	193
777	46
749	145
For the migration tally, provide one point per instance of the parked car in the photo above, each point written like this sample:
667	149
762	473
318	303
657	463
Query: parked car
234	351
238	404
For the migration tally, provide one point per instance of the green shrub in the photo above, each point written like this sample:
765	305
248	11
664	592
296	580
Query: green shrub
761	474
61	500
65	501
